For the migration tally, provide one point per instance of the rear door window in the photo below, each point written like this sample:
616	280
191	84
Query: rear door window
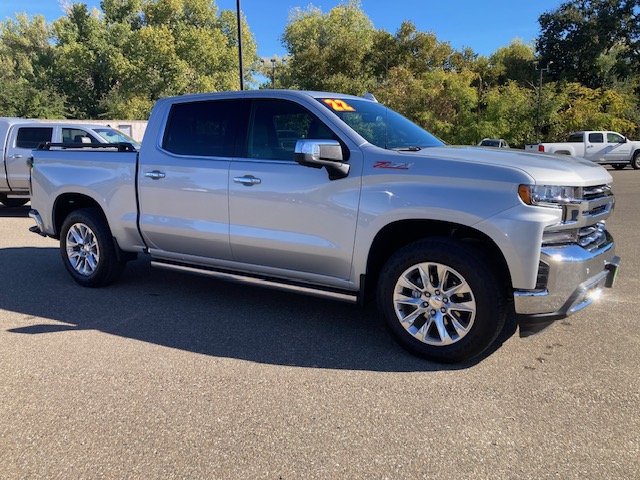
31	137
596	137
206	129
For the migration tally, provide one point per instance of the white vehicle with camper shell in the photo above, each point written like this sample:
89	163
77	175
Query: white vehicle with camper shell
338	196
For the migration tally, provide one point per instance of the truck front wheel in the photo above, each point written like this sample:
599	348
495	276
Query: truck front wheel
635	163
441	300
87	249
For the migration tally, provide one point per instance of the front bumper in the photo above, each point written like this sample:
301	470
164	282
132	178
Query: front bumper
576	277
39	226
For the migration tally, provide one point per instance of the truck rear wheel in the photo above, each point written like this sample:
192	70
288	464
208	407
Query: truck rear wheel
441	300
87	249
635	163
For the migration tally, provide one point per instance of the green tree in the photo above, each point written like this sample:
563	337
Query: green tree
508	111
82	60
119	62
440	101
579	32
328	51
512	63
26	59
576	107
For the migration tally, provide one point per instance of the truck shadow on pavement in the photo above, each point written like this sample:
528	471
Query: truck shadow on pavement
204	316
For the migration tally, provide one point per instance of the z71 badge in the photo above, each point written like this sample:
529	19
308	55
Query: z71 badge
394	165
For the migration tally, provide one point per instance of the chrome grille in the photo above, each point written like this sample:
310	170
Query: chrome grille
596	191
593	237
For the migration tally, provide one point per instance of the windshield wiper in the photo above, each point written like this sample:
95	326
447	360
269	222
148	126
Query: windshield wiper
407	149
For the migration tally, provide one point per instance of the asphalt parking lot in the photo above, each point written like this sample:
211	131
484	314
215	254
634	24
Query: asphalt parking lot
166	375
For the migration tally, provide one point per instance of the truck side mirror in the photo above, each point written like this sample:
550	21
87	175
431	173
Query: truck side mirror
322	153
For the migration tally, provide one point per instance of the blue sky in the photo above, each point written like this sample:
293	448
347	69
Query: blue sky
483	25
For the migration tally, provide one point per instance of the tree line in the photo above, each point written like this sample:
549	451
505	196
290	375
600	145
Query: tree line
582	72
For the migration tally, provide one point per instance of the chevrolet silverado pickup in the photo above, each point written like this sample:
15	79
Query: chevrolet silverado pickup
605	148
338	196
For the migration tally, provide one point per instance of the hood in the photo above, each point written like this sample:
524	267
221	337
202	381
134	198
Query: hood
544	168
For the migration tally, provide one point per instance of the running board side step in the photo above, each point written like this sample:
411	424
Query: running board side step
341	296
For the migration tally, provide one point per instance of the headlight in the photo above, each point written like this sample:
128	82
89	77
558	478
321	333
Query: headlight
550	195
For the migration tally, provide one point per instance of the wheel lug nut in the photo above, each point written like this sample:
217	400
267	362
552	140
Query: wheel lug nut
443	310
437	292
433	313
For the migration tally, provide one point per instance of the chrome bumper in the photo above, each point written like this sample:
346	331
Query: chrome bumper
576	277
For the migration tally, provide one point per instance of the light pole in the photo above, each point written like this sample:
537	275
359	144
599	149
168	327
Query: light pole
546	69
239	15
273	72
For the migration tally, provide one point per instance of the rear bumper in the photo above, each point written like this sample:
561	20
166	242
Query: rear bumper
576	278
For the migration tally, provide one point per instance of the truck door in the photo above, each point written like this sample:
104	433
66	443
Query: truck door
617	149
284	216
595	146
183	182
22	141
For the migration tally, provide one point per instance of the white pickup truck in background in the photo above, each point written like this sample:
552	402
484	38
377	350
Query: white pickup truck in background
19	136
605	148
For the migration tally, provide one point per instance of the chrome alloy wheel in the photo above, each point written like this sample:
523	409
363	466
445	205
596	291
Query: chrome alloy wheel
434	303
82	249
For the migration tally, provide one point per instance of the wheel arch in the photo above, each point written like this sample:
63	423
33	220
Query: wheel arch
404	232
70	202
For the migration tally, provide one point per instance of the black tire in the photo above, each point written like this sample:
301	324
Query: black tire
12	202
635	163
441	325
618	166
88	250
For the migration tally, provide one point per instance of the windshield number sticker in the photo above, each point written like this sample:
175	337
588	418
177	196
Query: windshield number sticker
339	105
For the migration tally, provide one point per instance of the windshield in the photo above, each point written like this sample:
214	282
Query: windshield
381	126
114	136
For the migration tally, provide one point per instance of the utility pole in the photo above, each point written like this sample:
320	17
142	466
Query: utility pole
540	69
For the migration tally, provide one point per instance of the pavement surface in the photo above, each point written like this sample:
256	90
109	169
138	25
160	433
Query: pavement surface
166	375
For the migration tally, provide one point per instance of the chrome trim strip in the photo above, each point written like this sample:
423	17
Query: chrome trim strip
261	282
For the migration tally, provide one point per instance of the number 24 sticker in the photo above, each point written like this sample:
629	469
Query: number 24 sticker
339	105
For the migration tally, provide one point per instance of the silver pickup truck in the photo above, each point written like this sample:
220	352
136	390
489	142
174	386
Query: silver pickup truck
338	196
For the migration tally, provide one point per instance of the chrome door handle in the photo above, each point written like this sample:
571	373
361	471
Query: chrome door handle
16	156
155	175
247	180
